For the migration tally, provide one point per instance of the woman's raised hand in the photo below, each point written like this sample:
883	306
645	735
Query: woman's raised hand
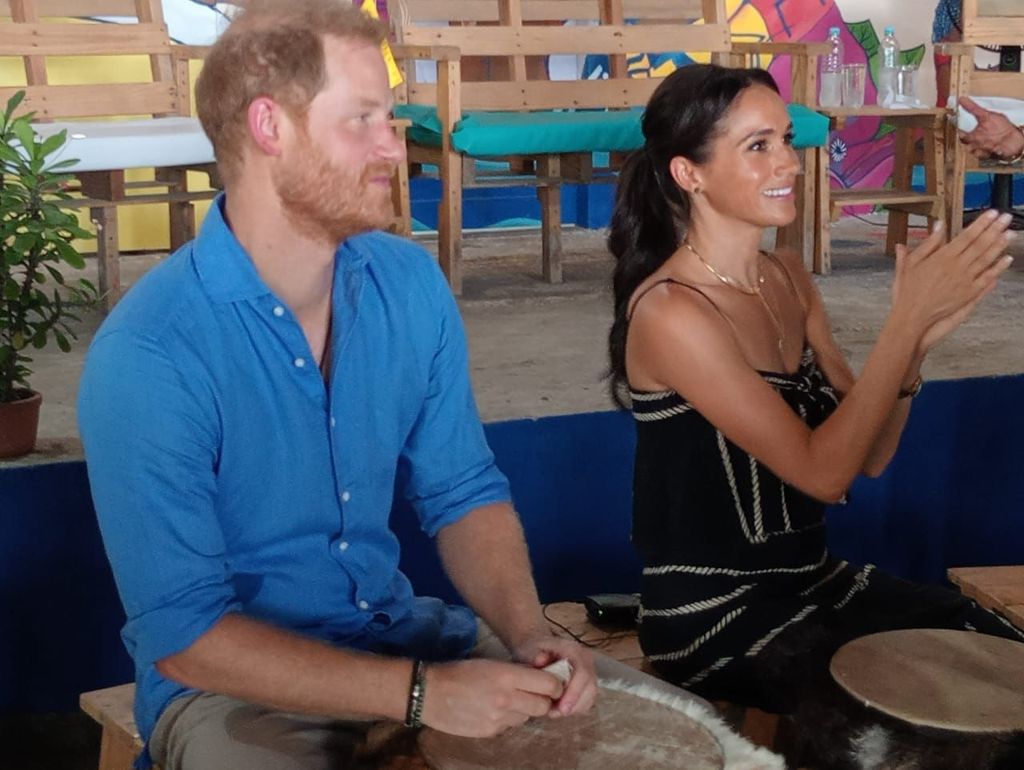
938	285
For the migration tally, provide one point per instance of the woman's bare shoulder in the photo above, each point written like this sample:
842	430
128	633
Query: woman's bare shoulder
667	302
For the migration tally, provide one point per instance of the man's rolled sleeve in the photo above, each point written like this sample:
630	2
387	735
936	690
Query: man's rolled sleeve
449	468
150	449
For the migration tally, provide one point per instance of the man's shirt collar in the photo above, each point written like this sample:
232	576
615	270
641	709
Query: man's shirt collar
226	270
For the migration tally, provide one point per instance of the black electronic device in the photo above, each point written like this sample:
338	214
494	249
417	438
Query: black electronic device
1009	58
613	610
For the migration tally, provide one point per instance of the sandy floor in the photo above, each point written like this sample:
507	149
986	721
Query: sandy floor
538	349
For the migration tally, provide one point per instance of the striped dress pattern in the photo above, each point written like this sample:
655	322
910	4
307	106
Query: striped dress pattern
735	559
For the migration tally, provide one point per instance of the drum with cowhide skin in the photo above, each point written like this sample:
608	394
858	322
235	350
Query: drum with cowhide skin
939	678
621	731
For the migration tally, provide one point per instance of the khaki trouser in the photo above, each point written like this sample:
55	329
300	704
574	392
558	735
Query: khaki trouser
205	731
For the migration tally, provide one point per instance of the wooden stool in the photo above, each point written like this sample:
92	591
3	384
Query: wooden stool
937	678
112	709
1000	589
901	200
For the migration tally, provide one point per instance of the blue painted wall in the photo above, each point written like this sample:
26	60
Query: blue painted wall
583	205
61	617
590	205
954	495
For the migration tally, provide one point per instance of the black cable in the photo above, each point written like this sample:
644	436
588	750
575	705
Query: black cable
552	621
604	642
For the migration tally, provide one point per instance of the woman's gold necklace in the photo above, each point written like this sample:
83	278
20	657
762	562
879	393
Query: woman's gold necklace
755	290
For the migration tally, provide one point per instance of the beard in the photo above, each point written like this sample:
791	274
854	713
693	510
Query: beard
330	202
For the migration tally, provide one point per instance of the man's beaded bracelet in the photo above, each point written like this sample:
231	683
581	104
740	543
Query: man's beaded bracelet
417	688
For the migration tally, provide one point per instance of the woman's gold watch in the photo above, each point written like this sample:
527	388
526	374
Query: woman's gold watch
913	390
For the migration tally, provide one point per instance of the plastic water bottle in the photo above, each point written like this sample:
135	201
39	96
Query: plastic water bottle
830	94
888	67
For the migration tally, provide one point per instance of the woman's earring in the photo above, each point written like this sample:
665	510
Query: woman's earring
696	190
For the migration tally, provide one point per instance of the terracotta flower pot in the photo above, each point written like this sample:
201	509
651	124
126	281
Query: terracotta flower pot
19	425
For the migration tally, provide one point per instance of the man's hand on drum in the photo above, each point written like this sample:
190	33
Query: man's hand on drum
480	698
581	689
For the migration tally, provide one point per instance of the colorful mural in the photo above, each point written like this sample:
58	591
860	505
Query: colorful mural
862	153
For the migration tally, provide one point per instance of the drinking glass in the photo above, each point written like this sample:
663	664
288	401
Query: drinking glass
853	85
906	85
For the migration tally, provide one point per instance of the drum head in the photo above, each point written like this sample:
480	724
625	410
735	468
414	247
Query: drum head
953	680
620	731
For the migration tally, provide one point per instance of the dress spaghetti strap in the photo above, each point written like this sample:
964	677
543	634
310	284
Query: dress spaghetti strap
677	283
732	326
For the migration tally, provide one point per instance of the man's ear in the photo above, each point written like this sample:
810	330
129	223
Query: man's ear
265	117
685	174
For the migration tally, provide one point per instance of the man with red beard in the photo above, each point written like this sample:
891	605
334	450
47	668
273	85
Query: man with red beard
249	410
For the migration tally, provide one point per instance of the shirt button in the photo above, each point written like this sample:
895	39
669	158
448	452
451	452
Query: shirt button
346	496
300	362
343	545
333	422
363	605
279	311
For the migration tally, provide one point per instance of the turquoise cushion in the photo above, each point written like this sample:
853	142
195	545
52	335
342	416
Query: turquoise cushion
483	134
491	134
810	128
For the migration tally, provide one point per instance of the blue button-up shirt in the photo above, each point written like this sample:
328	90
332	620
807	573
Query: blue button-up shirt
229	477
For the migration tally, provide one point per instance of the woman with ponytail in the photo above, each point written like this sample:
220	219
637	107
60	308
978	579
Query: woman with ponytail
749	419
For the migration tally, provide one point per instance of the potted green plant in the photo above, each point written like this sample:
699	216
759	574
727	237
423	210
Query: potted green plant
37	234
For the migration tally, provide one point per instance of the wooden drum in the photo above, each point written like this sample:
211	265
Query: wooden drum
950	680
623	730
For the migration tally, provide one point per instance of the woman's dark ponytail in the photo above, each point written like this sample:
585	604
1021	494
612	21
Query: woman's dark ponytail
643	233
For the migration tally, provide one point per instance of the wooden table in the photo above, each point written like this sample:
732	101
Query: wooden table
901	200
995	588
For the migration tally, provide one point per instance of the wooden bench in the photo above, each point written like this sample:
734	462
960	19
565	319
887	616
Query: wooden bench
172	148
517	31
111	707
505	43
1000	589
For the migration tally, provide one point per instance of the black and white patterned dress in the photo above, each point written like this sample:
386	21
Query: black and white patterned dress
741	599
